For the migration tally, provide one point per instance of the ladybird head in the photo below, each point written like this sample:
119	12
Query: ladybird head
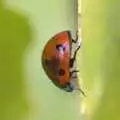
68	88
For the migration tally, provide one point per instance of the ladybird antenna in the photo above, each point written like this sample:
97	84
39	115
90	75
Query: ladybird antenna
82	92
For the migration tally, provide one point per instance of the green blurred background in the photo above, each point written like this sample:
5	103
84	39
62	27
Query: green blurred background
25	91
15	34
101	55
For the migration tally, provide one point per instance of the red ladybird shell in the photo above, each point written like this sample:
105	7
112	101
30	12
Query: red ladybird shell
56	60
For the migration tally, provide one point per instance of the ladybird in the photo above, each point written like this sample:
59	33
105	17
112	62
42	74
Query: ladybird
59	61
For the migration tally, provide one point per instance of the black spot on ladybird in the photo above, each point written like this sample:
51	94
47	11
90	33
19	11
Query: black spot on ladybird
61	72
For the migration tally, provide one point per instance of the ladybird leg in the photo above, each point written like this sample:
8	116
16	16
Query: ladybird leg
72	72
76	44
74	56
82	92
74	41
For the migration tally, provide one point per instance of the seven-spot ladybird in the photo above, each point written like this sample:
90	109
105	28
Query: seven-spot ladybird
58	60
